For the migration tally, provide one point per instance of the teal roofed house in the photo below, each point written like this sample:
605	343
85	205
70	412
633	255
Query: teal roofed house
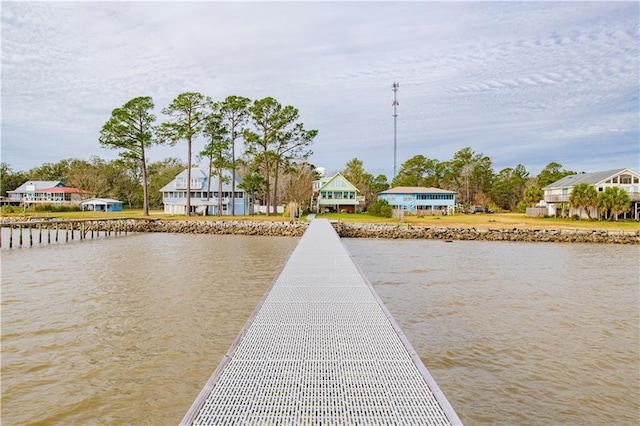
336	194
420	200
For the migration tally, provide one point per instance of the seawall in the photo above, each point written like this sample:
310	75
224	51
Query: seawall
488	234
348	230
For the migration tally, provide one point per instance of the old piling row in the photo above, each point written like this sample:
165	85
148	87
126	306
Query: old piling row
25	232
516	234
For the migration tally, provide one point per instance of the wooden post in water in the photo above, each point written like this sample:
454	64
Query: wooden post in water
66	233
48	234
20	228
40	233
10	236
82	231
30	236
57	227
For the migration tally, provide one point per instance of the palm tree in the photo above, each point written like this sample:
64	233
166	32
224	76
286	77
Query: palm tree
614	199
584	196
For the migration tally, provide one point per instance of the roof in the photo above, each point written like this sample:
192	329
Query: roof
326	182
201	173
589	178
39	184
101	201
416	190
196	172
63	190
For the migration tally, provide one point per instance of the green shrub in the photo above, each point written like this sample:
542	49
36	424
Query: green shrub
380	208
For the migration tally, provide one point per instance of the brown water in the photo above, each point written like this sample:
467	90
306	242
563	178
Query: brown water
518	333
127	330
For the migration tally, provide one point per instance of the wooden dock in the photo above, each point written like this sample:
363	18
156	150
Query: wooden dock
321	349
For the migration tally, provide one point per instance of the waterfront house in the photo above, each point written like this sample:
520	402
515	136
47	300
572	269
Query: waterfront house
204	191
47	192
556	195
335	194
420	200
101	205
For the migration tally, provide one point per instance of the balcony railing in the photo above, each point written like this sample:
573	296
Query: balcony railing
633	196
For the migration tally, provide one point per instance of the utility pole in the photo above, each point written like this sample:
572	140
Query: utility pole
394	87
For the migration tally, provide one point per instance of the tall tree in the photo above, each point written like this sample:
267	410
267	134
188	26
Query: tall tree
419	171
51	171
292	146
234	110
187	115
10	180
131	129
380	183
253	183
297	186
160	174
88	176
467	173
508	186
551	173
277	139
217	151
355	173
584	196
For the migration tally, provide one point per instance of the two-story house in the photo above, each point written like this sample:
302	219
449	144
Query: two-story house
420	200
335	194
46	192
205	194
556	195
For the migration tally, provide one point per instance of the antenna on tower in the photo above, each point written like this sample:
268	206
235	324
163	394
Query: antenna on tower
395	87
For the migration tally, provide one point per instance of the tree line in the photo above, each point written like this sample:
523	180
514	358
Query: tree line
273	164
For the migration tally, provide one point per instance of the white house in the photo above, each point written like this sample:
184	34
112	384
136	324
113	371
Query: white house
556	195
205	194
46	192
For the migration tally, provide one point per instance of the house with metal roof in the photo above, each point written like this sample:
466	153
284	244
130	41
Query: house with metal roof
208	194
18	195
556	195
335	194
420	200
47	192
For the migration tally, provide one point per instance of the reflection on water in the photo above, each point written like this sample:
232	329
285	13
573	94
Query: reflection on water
518	333
127	330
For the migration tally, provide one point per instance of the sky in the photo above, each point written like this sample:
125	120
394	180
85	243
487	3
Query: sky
520	82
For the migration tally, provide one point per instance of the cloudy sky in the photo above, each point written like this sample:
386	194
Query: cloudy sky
521	82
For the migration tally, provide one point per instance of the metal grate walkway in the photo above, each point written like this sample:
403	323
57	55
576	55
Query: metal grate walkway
321	349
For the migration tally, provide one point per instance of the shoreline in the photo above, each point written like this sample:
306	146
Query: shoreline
347	230
353	230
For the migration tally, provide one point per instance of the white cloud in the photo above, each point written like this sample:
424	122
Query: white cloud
513	80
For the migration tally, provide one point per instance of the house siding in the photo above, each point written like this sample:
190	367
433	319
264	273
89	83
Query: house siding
556	195
174	194
420	200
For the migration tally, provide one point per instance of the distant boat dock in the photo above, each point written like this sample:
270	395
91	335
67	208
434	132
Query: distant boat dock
321	348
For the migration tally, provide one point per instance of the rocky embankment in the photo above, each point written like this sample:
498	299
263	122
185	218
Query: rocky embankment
286	229
516	234
349	230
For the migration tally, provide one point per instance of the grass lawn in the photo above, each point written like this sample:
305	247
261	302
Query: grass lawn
479	220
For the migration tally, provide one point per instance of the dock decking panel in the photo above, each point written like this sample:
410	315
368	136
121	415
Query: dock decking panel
321	348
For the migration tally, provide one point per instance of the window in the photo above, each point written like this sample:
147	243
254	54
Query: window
625	179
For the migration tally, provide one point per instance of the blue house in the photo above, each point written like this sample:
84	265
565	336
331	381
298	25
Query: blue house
101	205
420	201
204	191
